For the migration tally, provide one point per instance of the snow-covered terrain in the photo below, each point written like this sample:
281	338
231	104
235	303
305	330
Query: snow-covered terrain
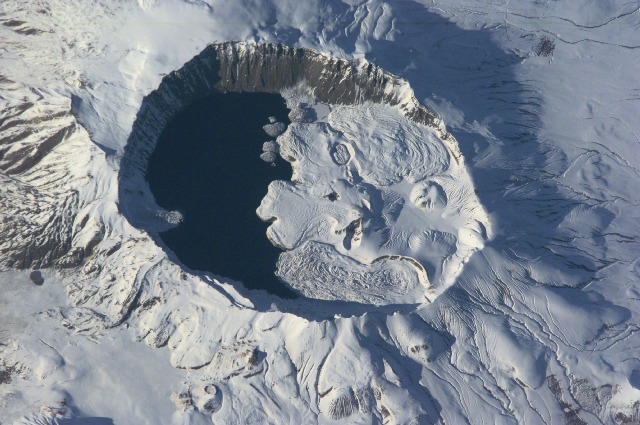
503	284
379	188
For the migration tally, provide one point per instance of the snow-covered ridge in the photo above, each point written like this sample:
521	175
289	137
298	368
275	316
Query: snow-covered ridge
38	202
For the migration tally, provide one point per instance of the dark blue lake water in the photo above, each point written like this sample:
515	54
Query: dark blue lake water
207	166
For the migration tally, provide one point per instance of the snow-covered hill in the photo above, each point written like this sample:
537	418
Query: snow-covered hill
531	163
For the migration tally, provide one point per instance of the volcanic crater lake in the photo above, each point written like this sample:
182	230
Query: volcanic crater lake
207	165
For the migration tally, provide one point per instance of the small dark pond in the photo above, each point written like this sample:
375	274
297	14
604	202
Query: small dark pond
207	165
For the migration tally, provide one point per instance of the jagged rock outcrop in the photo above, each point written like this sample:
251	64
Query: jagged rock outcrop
38	205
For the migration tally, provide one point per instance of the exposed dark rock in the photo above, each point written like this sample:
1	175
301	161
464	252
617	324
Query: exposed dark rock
28	243
630	418
72	259
333	196
585	395
268	156
6	373
353	233
270	146
36	277
275	129
212	406
570	413
419	348
13	23
364	399
342	406
545	47
23	159
302	113
340	154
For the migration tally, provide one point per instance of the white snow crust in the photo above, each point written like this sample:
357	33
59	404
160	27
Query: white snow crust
525	222
377	188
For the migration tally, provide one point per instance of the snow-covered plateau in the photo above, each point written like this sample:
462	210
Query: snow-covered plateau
462	217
